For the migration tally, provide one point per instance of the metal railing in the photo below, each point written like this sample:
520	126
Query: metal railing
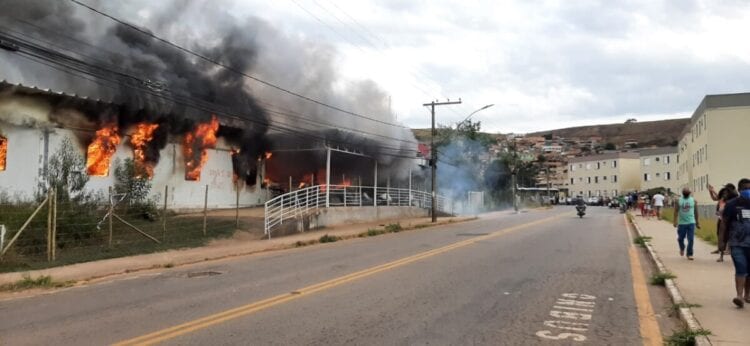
292	205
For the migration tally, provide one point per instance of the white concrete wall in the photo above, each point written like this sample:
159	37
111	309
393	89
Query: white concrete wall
24	161
344	215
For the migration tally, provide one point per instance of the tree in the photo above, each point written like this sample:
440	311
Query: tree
136	187
66	172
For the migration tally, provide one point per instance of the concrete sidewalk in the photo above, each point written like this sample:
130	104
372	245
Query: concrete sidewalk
223	248
702	281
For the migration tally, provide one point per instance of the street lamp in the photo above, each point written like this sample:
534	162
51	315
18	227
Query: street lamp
474	112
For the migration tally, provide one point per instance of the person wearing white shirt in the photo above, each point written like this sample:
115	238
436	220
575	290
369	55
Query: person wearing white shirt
658	200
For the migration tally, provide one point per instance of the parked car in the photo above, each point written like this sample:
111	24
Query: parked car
593	200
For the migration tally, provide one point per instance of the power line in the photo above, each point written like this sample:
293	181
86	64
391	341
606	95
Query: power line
80	72
287	113
231	69
415	72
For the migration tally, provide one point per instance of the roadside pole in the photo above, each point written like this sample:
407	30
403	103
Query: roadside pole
433	154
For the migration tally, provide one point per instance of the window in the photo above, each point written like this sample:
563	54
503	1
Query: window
572	168
598	165
604	177
588	166
580	179
656	159
658	174
589	180
596	179
614	163
614	178
667	176
666	160
646	162
646	177
572	181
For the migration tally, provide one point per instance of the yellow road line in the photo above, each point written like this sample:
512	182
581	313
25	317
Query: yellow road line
204	322
649	327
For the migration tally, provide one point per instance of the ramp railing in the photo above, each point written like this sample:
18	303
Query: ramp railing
292	205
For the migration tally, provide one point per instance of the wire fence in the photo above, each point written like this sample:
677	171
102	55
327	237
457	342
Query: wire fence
53	231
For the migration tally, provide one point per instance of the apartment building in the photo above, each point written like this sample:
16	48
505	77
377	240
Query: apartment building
659	169
712	149
605	175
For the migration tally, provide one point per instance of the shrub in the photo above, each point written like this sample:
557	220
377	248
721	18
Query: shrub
660	278
328	239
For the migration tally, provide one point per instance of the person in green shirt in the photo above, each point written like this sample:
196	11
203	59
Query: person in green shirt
686	221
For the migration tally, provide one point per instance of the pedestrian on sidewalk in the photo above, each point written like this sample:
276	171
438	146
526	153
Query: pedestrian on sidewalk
727	193
658	204
686	221
736	229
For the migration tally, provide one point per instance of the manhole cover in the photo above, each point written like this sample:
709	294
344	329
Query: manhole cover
471	234
202	274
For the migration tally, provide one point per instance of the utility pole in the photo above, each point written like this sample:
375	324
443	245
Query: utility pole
549	197
433	153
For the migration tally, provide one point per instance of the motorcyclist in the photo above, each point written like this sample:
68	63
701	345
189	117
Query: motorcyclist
580	206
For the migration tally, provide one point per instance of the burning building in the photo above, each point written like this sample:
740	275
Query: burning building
184	120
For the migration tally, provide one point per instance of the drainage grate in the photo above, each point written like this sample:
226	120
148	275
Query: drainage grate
202	274
471	234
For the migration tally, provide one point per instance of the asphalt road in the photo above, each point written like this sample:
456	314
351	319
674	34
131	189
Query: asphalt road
506	279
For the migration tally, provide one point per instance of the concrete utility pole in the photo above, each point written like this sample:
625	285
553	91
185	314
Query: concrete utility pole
433	152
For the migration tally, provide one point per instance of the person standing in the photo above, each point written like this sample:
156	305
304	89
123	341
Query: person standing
686	221
735	228
658	204
726	194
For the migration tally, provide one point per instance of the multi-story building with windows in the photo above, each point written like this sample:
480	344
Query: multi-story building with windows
712	148
659	169
605	175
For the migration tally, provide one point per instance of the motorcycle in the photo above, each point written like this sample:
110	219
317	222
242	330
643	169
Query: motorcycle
581	209
623	208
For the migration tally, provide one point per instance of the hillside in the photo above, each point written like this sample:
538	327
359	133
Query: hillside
647	133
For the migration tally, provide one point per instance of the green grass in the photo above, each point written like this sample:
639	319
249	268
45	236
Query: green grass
393	228
80	241
660	278
685	337
374	232
641	240
328	239
27	282
707	232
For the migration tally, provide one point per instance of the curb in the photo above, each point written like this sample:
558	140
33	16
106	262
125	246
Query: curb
686	314
10	277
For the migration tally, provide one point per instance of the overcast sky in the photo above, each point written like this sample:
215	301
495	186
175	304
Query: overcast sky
544	64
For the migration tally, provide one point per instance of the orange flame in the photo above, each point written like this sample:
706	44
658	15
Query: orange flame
269	155
101	150
346	182
144	133
195	147
301	185
3	152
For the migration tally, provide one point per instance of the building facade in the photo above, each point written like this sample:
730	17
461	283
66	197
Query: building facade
659	169
605	175
711	150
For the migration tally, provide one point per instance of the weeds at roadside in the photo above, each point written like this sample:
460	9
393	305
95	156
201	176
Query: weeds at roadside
659	279
685	337
44	281
169	265
374	232
393	228
675	308
328	239
641	240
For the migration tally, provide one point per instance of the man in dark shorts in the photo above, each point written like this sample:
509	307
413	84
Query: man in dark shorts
735	227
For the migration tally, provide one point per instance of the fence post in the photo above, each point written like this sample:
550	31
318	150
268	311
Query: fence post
237	210
164	213
205	211
111	211
49	225
54	224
